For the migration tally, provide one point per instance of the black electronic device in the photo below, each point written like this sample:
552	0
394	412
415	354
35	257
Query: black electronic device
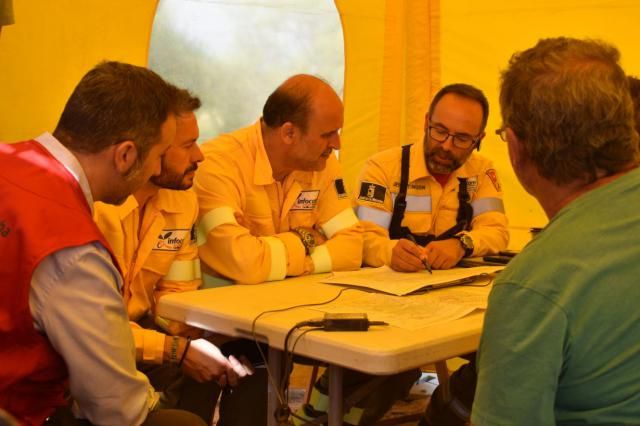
503	260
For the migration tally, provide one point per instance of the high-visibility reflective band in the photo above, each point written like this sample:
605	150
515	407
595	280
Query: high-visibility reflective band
213	219
278	269
343	220
374	215
184	270
415	203
211	281
321	260
488	204
320	402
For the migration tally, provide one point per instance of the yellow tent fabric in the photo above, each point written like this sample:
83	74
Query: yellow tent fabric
398	53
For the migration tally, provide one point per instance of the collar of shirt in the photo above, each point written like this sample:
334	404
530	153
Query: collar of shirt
263	173
163	200
69	161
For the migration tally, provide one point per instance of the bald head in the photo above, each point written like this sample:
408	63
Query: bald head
295	99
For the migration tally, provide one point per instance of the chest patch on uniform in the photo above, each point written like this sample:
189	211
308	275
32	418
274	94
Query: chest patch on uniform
342	193
372	192
472	184
171	239
491	173
307	200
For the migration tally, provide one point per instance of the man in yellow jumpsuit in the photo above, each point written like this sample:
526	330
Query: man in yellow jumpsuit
448	206
273	204
272	200
153	237
452	197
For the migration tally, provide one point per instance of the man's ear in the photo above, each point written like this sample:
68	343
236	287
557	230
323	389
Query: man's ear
125	156
288	133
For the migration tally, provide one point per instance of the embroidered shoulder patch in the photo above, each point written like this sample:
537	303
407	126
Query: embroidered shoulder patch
307	200
339	184
372	192
491	173
171	239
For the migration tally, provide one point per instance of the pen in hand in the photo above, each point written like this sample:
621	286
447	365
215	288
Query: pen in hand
423	260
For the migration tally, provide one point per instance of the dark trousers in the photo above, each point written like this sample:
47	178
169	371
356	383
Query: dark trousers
453	409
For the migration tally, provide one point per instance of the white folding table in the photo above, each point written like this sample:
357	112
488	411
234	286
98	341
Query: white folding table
382	350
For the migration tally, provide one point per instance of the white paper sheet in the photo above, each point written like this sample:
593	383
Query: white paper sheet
412	312
386	280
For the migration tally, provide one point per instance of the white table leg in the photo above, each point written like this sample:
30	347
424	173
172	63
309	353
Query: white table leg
335	395
275	363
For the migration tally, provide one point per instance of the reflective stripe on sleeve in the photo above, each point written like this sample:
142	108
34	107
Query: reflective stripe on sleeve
278	269
213	219
321	260
488	204
343	220
416	203
377	216
183	270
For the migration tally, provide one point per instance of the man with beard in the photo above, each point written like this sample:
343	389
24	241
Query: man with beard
445	203
436	202
153	238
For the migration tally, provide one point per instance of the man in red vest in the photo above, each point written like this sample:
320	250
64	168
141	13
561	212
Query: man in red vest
62	318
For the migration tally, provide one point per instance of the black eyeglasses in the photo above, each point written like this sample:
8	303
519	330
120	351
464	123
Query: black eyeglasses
502	132
459	140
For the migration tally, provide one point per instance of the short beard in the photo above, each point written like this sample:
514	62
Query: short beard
438	168
173	180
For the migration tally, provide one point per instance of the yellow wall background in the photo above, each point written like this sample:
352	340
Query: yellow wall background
478	38
394	62
52	45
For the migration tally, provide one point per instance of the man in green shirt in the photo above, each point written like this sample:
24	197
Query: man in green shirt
561	338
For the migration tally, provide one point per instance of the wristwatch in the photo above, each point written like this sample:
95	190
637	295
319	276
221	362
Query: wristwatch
307	238
467	243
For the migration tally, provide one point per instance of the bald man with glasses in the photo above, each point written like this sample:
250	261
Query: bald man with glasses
434	202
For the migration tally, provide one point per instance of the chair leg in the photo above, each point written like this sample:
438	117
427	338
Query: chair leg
312	381
443	379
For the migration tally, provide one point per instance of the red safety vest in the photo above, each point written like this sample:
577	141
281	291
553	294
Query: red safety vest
42	210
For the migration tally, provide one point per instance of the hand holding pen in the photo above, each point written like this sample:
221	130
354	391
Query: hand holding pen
407	256
422	258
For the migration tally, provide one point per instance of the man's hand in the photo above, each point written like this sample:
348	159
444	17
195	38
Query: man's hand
240	368
444	254
204	362
407	257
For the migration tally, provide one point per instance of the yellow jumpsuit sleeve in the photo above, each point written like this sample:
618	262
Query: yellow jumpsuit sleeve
149	344
229	248
489	226
343	248
374	209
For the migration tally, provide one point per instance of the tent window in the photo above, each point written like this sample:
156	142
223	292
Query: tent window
233	53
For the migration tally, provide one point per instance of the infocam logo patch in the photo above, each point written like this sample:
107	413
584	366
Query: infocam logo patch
171	239
307	200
